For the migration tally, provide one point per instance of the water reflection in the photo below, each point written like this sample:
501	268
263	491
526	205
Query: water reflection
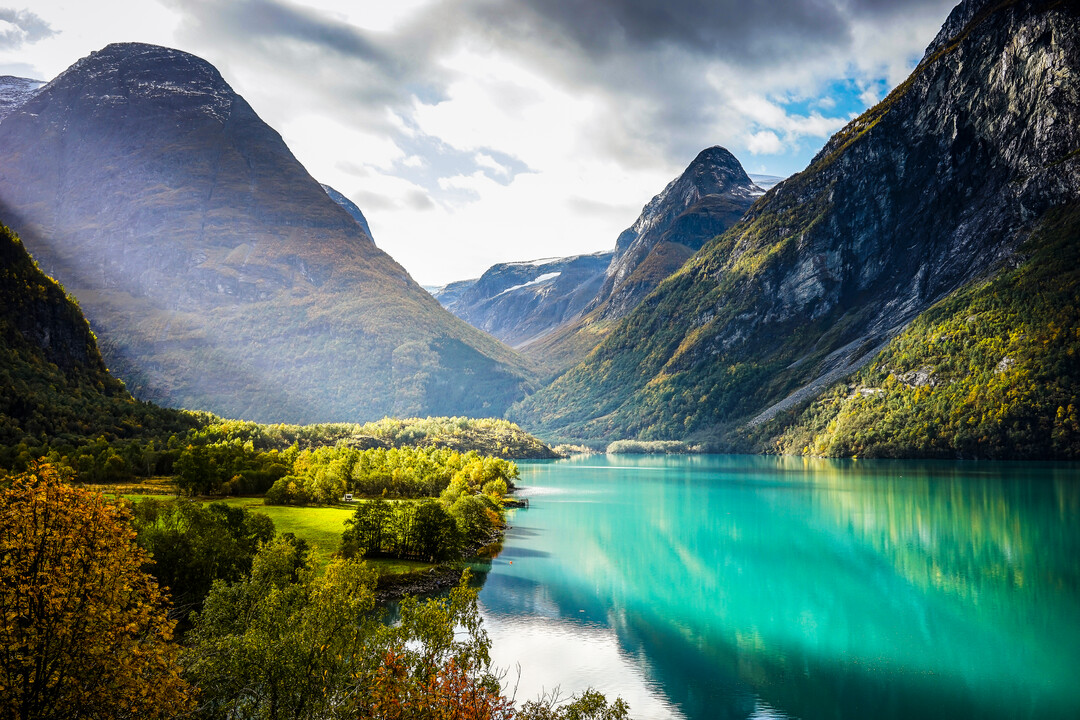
716	587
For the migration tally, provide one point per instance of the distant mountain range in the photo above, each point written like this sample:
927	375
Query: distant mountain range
520	302
557	310
217	273
967	171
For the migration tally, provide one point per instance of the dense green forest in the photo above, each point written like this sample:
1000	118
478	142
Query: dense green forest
993	371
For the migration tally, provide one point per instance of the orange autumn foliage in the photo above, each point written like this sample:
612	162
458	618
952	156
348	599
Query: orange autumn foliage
84	631
451	693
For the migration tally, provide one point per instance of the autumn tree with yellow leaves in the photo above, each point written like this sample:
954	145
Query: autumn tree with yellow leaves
84	631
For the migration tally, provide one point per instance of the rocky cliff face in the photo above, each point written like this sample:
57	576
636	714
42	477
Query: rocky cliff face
218	274
935	187
710	196
39	319
14	91
521	302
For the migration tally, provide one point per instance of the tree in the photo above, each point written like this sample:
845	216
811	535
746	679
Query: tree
84	631
368	531
590	705
193	545
435	532
283	641
287	644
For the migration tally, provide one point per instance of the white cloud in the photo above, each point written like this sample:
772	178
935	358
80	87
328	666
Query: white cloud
317	141
764	142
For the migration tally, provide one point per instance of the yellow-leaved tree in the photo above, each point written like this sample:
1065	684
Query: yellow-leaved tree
84	631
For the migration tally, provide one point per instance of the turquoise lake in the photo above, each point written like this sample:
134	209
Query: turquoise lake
762	587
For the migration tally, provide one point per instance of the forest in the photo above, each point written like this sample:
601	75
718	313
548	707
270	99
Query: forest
177	610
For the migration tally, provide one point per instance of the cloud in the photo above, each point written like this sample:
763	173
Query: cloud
480	113
616	211
22	27
419	200
764	141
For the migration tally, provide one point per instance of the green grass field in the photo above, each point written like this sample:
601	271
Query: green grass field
320	526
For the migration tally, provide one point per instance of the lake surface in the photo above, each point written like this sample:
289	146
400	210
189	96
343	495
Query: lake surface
755	587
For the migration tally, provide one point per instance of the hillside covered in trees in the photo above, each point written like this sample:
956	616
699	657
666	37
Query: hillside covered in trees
993	371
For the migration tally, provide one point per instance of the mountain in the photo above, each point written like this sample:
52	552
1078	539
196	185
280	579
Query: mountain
765	182
959	175
520	302
350	207
53	382
217	273
989	372
14	91
710	196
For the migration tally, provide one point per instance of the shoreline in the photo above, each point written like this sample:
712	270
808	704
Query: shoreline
391	588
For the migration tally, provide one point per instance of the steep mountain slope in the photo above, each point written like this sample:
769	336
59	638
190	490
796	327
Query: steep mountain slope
520	302
350	207
991	371
217	272
53	382
935	187
14	91
710	196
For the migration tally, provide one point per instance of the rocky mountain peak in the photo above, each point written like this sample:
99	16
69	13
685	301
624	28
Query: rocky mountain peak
123	73
715	171
706	199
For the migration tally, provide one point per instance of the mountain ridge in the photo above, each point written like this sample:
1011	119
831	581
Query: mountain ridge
520	302
933	188
218	274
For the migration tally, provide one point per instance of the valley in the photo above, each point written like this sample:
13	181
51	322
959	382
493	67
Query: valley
800	441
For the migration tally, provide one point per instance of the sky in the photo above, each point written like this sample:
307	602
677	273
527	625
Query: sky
472	132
